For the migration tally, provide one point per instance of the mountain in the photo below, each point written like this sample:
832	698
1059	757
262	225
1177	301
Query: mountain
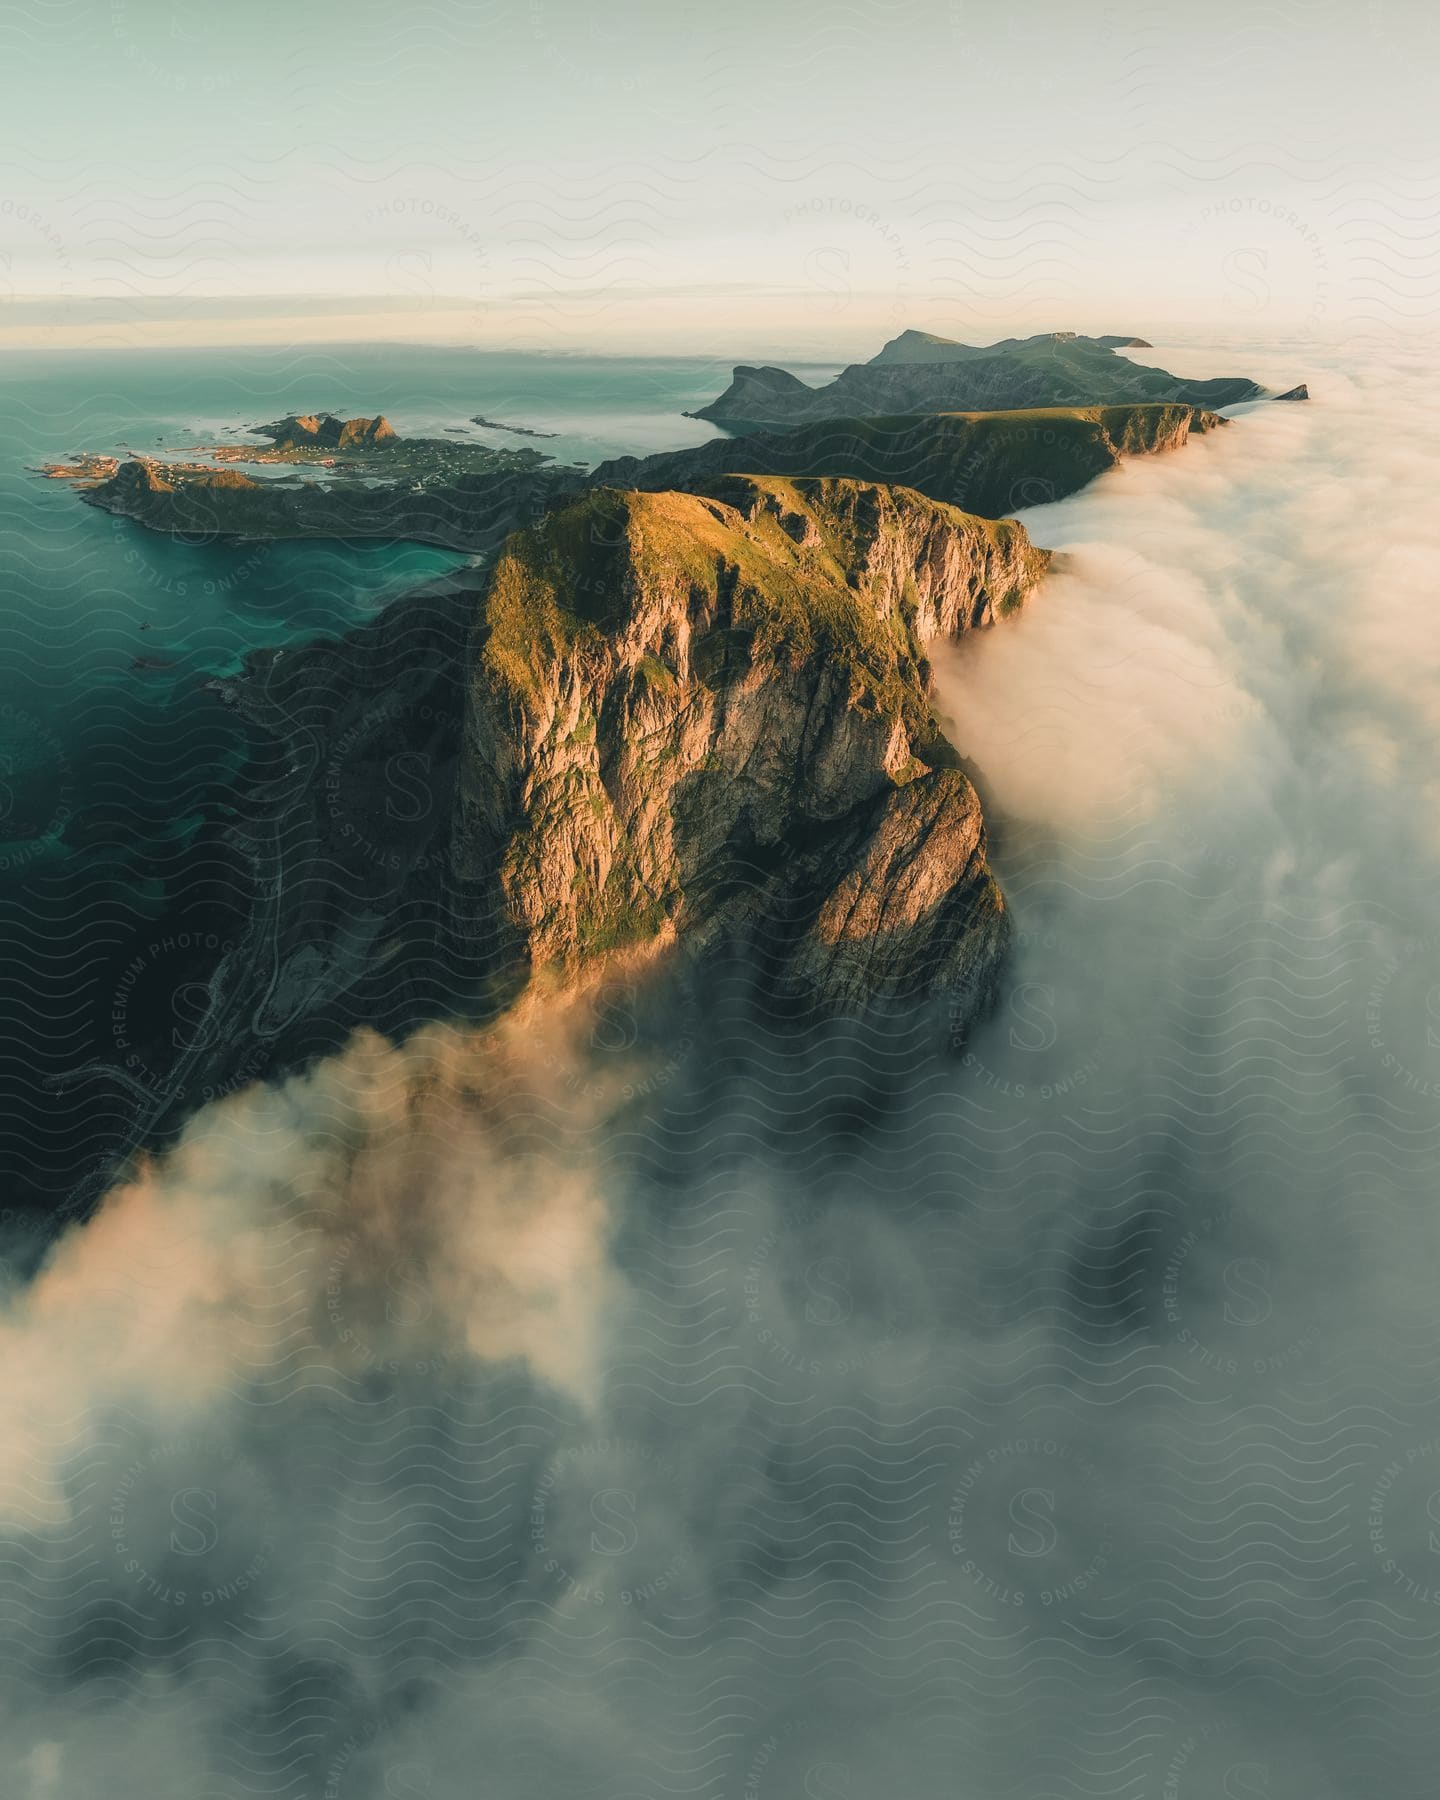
660	723
323	431
990	463
925	347
730	692
921	347
469	512
919	373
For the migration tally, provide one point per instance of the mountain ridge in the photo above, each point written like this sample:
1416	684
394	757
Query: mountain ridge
927	347
657	724
992	463
1053	369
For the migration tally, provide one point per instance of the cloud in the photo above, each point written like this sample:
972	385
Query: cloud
387	1206
1050	1412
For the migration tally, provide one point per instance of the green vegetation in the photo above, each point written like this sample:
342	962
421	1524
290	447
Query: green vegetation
919	373
991	463
771	562
657	674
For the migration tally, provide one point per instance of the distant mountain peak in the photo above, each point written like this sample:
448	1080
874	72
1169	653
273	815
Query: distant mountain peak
919	346
327	431
920	371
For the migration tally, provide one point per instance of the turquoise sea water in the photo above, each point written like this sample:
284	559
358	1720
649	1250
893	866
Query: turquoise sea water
115	779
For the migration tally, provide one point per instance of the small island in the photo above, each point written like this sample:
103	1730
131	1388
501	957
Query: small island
368	448
337	478
516	430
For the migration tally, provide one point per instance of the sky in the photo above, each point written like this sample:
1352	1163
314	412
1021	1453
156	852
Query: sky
786	180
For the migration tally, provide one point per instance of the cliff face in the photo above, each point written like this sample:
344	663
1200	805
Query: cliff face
1059	369
658	720
694	713
990	463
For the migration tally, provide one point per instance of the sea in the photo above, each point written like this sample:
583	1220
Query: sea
117	763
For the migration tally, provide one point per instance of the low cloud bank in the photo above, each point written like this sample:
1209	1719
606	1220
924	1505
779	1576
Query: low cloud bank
549	1414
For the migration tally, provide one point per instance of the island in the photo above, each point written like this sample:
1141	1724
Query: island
676	712
353	478
918	372
517	430
996	463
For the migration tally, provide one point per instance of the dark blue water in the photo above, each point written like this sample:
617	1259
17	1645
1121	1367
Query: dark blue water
118	768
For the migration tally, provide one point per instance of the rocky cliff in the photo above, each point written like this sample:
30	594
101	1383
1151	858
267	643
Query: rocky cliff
324	431
699	712
658	722
990	463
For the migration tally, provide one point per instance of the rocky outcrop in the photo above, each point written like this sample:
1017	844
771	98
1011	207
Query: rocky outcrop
324	431
1056	369
761	393
660	725
990	463
696	713
471	513
1302	392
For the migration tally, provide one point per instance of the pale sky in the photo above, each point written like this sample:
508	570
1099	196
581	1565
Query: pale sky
767	178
